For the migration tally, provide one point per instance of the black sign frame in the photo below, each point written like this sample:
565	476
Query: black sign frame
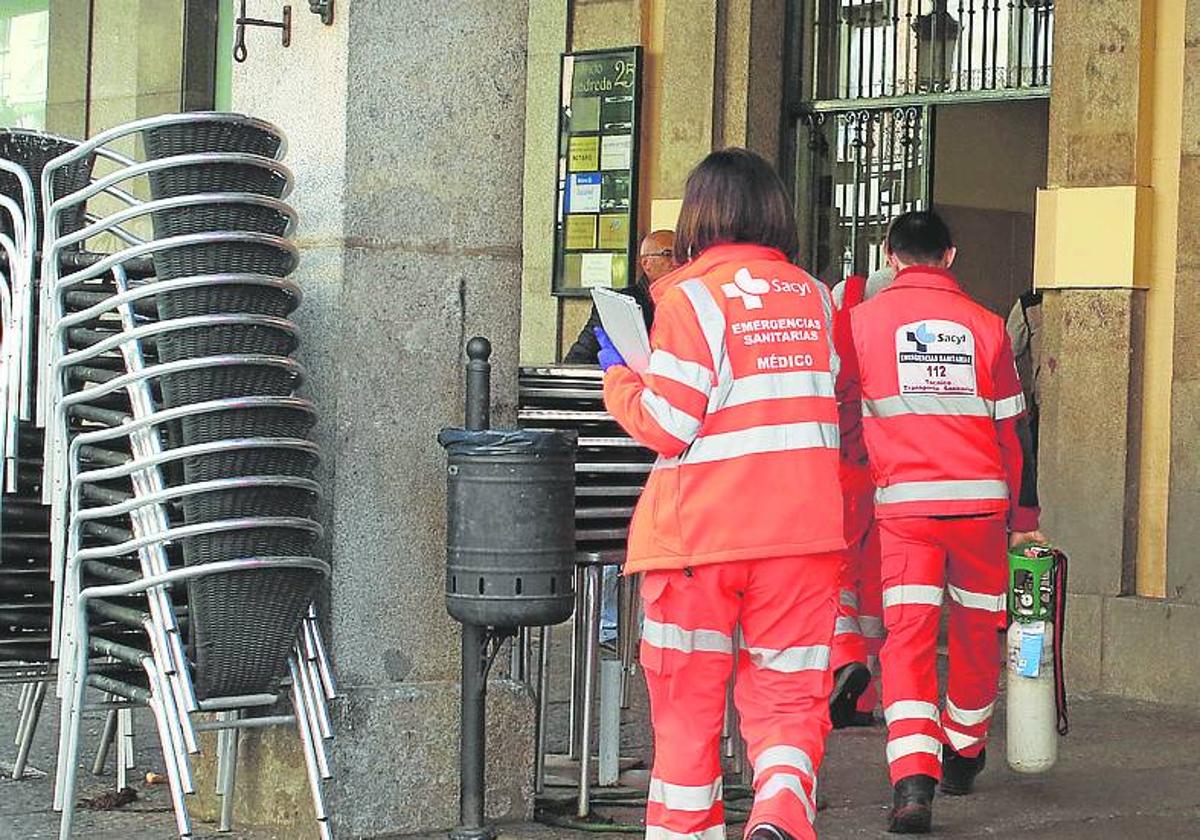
599	121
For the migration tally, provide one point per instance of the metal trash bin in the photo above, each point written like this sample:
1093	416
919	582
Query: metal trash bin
510	544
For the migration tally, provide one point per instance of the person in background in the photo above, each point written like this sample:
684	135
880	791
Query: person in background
859	636
740	524
655	258
1024	327
939	402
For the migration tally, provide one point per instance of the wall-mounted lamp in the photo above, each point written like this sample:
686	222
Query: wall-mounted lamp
321	8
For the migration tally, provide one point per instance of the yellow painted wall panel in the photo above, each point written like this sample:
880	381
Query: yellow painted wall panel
1086	238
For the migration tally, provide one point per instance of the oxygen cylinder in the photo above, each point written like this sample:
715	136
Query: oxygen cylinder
1036	700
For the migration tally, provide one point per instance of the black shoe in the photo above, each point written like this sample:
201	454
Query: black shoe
912	805
849	682
959	772
766	831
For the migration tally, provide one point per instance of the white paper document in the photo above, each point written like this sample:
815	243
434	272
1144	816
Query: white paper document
616	151
596	271
622	319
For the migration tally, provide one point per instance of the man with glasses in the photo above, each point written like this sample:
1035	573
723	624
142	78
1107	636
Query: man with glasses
655	258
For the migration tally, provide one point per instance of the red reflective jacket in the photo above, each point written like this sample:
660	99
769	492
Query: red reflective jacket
939	399
858	487
739	403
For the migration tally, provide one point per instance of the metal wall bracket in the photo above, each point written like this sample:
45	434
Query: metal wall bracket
284	25
324	8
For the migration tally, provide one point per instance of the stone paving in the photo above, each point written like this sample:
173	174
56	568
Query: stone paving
1128	771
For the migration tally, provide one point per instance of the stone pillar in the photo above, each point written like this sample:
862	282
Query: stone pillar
748	99
1090	378
539	309
1118	466
406	131
1183	533
67	70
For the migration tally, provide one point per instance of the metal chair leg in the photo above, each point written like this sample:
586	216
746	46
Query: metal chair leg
518	667
526	634
126	720
72	728
22	701
22	712
125	759
543	705
591	661
735	746
308	740
107	737
577	646
33	711
629	629
227	757
174	757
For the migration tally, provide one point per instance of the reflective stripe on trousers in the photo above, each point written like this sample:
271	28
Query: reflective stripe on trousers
941	491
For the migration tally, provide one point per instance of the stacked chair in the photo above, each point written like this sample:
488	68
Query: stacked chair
25	588
178	463
610	472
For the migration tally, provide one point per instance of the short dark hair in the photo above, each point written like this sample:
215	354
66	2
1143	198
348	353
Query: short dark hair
919	238
734	195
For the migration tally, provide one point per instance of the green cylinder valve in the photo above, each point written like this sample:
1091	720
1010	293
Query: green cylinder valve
1031	583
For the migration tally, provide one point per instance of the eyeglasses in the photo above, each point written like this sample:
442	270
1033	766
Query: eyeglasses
666	253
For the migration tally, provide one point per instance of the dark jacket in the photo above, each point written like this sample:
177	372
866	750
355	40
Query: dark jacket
585	348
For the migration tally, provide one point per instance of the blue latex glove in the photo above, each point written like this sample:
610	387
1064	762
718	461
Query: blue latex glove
608	355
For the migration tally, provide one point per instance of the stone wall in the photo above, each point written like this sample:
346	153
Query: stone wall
406	128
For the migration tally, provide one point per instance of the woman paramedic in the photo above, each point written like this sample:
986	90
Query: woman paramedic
740	524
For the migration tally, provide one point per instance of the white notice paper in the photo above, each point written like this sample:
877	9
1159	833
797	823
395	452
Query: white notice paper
622	319
596	271
584	193
616	151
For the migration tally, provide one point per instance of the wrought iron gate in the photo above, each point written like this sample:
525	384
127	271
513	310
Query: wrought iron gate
871	75
861	168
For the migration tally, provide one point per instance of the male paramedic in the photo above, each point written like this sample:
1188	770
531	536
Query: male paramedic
940	399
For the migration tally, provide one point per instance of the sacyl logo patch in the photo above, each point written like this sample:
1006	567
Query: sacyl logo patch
748	288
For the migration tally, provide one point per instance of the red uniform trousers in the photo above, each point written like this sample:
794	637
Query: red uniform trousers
859	633
786	609
922	559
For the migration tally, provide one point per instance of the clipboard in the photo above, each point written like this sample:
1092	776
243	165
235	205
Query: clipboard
622	318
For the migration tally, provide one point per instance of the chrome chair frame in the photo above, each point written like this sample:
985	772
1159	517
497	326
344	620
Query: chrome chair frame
178	770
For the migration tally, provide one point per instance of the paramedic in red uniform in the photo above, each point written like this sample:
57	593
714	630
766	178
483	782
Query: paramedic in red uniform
940	400
740	524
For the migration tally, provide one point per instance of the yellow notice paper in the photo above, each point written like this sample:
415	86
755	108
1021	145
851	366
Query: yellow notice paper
614	231
583	154
581	233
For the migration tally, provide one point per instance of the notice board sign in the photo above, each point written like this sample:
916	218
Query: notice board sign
595	237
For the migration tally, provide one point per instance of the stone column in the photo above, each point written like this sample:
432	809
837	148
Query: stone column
1090	378
749	99
1118	465
1183	533
405	123
1092	324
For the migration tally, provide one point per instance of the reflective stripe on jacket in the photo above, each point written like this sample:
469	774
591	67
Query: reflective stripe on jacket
940	397
739	403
